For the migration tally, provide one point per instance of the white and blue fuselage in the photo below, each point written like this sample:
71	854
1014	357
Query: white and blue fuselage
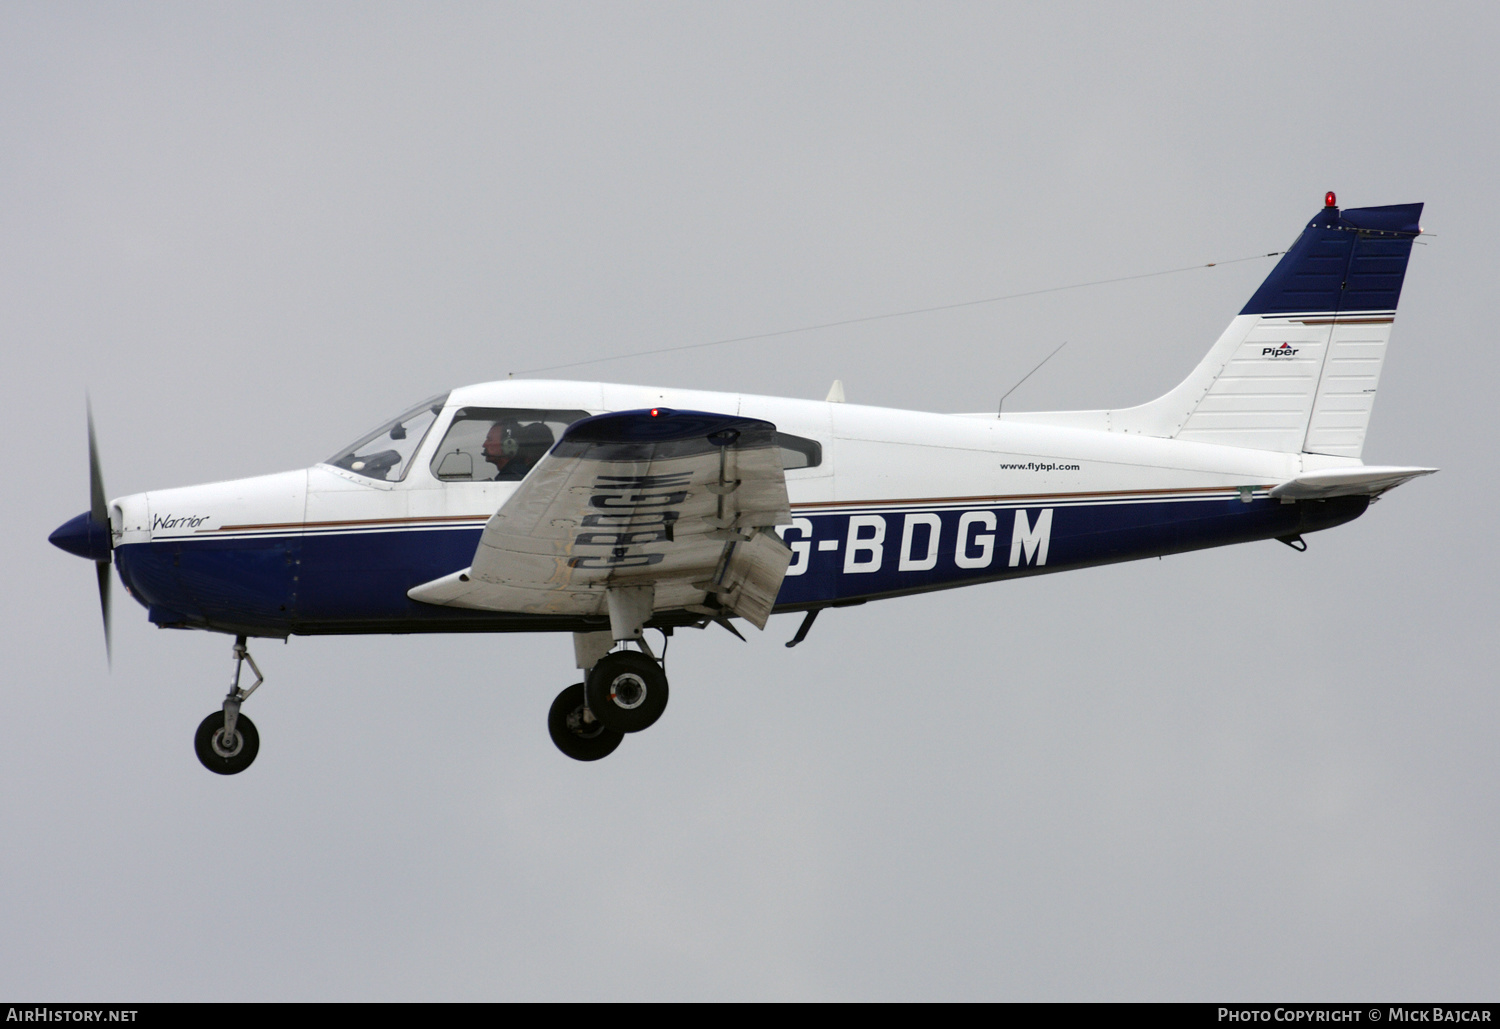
897	502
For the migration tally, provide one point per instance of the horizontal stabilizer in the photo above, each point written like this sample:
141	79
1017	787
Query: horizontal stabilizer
1361	480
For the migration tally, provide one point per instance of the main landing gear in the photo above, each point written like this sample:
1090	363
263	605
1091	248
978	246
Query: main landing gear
623	690
627	690
576	731
226	741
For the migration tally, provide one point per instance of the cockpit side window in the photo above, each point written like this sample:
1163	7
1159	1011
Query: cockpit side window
498	444
386	453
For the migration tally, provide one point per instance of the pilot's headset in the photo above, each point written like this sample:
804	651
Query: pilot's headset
510	441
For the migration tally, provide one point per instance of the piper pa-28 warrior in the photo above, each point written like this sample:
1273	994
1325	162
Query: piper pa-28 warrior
606	510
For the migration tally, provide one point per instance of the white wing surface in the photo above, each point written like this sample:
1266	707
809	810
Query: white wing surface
679	501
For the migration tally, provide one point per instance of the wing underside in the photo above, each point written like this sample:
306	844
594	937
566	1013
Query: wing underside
682	502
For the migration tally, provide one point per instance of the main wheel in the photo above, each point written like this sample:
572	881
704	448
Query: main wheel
580	740
627	690
226	757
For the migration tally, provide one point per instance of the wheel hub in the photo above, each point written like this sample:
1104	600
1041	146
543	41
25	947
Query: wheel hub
582	727
628	691
223	751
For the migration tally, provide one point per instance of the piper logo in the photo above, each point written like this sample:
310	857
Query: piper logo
1285	350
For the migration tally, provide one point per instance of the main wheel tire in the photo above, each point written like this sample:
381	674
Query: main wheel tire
221	757
627	690
580	740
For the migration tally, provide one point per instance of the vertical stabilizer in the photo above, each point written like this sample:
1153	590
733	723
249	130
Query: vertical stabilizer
1297	369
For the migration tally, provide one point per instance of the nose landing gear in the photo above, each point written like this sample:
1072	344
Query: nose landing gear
226	740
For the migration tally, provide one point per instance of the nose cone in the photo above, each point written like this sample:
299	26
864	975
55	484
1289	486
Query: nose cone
83	536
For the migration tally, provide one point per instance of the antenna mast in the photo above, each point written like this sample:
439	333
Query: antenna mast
1001	409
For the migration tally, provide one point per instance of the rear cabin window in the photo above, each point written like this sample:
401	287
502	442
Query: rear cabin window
797	452
498	444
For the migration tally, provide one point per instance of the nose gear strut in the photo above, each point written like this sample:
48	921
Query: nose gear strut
227	741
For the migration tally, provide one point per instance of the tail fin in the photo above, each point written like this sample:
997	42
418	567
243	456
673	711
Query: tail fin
1296	370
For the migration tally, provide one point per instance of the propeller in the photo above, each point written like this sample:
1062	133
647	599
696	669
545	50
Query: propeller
99	515
88	535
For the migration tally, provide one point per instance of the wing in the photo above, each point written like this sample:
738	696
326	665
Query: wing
1369	480
680	501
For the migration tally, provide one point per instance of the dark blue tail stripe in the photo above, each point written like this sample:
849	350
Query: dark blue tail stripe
1342	263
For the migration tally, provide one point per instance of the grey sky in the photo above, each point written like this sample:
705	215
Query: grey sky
254	231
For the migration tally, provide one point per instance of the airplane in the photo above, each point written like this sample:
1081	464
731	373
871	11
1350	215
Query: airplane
606	510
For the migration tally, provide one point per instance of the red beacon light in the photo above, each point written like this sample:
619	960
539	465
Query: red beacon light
1329	200
655	411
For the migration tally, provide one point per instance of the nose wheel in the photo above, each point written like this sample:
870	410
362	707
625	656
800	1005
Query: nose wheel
226	740
226	753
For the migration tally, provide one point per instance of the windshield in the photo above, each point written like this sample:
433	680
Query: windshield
385	453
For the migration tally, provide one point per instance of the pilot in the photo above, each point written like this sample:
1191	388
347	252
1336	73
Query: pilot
514	448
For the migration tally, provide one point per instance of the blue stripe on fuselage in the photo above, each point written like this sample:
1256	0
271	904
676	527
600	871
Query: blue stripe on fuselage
357	581
1008	540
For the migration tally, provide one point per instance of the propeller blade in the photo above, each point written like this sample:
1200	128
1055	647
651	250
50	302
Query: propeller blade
99	514
96	478
101	568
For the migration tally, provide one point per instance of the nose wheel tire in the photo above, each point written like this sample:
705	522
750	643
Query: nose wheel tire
627	690
226	756
575	736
